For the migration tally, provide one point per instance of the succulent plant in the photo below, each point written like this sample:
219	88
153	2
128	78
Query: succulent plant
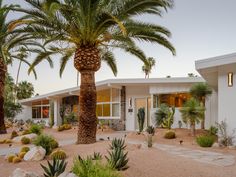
16	159
14	134
58	154
21	155
150	130
170	135
26	132
25	140
10	157
25	149
2	141
117	143
55	168
96	156
8	141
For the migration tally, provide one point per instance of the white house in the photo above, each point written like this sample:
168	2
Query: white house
118	101
219	72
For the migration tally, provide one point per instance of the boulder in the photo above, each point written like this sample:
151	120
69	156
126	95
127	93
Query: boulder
35	154
18	138
67	174
22	173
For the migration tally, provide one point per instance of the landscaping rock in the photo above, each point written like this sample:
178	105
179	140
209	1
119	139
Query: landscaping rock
22	173
35	154
18	138
216	145
67	174
232	147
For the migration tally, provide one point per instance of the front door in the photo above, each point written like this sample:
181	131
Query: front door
146	104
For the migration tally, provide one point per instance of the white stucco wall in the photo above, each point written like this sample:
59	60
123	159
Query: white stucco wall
211	114
227	96
25	114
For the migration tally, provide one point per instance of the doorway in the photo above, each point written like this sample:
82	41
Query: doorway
146	104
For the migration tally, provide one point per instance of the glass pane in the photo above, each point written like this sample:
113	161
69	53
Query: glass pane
36	112
106	110
176	100
99	110
115	110
115	95
103	96
45	112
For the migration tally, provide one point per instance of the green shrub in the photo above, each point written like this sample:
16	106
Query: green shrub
25	140
58	154
213	130
14	134
25	149
89	168
55	168
170	135
96	156
54	144
37	129
26	132
46	141
205	140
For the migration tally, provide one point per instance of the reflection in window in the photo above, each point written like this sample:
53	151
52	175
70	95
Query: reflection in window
40	109
45	111
176	100
36	112
115	110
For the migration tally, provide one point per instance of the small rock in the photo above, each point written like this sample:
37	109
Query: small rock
18	138
216	145
22	173
232	147
35	154
67	174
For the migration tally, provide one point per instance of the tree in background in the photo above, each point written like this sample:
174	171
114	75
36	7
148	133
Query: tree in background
24	90
147	67
200	92
192	112
89	31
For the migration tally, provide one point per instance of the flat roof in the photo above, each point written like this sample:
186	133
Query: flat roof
116	83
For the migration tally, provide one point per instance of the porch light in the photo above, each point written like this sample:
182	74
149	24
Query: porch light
130	102
230	79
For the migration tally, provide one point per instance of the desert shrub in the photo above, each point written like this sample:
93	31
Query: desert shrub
2	141
224	138
21	155
64	127
89	168
25	149
117	158
58	154
10	157
150	130
25	140
170	135
16	159
96	156
213	130
54	144
205	140
55	168
60	128
14	134
71	118
46	142
26	132
161	114
37	129
8	141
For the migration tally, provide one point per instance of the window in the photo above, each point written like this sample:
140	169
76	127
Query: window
108	103
176	100
40	109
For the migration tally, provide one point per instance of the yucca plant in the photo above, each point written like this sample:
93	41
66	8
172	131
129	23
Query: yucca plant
117	159
117	143
55	168
89	31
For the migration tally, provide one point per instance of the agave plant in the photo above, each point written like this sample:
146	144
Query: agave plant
97	156
55	168
117	143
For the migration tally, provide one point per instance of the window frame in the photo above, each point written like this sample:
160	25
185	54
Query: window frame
41	112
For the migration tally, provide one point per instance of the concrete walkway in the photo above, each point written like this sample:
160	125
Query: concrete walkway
208	157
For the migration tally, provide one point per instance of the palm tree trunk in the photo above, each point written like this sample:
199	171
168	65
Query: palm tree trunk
203	119
3	70
87	61
192	127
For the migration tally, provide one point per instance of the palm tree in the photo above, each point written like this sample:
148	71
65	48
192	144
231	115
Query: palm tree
192	112
24	90
88	31
201	91
11	43
147	67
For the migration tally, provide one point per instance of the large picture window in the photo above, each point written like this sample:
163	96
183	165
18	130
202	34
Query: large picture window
108	103
40	109
176	99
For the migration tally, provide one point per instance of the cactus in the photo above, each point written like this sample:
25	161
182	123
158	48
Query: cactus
54	144
55	168
16	159
170	135
10	157
8	141
25	140
25	149
14	134
58	154
141	118
167	123
2	141
117	143
21	155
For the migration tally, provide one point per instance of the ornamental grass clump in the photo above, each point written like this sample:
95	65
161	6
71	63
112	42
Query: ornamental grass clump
205	140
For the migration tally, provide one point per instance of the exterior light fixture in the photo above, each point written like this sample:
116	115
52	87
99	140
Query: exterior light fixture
230	79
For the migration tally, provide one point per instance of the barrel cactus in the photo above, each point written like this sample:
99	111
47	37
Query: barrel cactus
25	149
10	157
58	154
16	159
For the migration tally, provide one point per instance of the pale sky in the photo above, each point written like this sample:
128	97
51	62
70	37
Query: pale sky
200	29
